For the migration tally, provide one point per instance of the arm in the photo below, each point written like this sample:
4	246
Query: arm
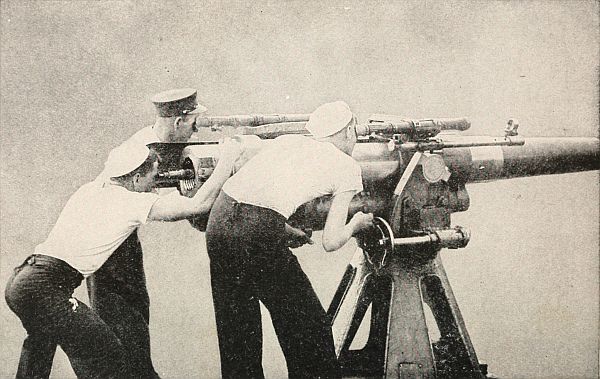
173	206
336	232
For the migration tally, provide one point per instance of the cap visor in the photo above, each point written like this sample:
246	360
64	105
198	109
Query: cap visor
199	110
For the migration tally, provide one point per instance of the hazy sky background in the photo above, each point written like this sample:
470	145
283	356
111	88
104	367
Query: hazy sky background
76	78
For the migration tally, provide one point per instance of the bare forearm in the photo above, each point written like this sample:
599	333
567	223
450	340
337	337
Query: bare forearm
172	208
335	239
206	195
336	232
175	207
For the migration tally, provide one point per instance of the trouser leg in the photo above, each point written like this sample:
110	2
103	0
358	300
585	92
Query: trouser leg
93	350
237	310
131	329
299	319
52	316
239	328
245	242
37	355
119	295
37	351
91	346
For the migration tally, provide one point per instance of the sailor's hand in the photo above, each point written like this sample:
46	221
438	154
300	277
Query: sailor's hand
362	221
297	237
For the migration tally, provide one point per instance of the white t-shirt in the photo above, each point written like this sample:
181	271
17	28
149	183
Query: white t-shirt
291	171
96	220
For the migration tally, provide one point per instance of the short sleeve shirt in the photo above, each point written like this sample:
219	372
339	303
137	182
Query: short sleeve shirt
96	220
291	171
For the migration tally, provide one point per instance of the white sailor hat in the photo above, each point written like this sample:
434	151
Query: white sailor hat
124	159
329	119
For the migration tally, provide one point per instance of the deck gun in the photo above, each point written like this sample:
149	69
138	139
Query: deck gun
414	176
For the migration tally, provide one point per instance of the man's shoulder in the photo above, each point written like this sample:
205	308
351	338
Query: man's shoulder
105	189
88	194
143	136
123	193
291	139
340	156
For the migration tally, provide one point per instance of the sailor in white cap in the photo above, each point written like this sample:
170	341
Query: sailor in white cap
118	290
250	262
97	219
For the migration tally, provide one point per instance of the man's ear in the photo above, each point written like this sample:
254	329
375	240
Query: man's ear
135	179
177	122
350	131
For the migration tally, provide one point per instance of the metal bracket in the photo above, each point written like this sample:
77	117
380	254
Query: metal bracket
410	168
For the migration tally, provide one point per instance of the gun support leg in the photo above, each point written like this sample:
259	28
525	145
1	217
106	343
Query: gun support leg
400	344
360	288
349	299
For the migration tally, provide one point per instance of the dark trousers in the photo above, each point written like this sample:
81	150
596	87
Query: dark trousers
249	262
40	293
119	295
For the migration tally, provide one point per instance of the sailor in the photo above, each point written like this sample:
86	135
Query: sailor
118	291
97	219
250	259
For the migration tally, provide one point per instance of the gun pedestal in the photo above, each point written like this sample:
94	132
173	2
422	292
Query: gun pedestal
399	290
415	329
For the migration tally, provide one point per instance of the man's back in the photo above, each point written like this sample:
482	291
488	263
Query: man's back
94	222
291	171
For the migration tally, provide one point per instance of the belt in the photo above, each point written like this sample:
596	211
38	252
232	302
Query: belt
241	208
69	274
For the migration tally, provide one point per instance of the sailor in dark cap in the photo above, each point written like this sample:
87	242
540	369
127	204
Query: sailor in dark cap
176	112
118	289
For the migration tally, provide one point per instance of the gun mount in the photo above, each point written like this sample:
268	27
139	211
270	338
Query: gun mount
414	179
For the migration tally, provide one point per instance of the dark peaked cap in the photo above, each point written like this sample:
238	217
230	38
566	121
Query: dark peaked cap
177	102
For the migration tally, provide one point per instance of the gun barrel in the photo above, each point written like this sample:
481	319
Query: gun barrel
539	156
382	168
250	120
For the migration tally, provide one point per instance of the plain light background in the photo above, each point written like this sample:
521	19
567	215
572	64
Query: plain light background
76	78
